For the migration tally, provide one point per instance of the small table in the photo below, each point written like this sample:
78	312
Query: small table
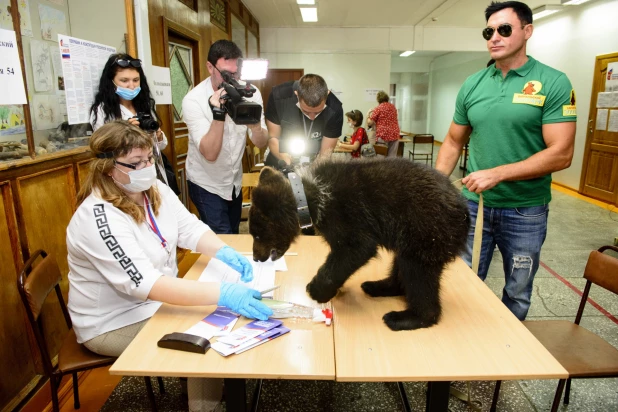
250	179
478	338
307	352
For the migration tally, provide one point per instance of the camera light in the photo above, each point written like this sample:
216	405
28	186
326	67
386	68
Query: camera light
297	146
254	69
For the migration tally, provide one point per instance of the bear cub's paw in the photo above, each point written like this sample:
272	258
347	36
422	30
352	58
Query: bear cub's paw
320	292
406	320
384	287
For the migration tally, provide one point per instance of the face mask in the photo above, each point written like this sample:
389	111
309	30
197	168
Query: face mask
140	180
127	94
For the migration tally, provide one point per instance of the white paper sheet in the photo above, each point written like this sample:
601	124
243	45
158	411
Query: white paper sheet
53	22
12	89
601	123
45	112
41	66
604	100
263	275
612	125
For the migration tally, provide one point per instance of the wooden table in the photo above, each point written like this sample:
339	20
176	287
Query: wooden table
307	352
382	149
477	339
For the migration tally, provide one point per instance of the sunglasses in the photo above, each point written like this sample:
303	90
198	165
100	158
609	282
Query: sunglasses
127	62
504	30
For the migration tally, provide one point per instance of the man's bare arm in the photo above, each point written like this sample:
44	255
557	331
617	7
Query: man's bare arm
211	142
559	139
456	137
328	145
274	132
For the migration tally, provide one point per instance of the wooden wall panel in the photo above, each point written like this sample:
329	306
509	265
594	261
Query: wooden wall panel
82	171
16	356
47	202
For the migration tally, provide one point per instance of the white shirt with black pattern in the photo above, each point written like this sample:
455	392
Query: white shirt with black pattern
114	262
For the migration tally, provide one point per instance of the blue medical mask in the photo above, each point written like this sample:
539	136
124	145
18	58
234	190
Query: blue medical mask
127	94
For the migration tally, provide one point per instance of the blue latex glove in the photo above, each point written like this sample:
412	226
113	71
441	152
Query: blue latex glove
243	300
237	262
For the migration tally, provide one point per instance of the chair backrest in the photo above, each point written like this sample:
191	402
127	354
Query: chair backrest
422	139
34	284
602	270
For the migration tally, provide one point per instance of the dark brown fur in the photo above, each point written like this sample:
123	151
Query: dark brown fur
358	206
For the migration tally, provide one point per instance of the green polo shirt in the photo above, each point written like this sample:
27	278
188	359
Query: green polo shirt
507	115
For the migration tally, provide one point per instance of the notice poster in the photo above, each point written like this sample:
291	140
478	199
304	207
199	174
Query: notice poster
611	79
11	80
370	94
161	85
82	65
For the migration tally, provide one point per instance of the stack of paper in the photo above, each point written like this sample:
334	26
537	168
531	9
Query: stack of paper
249	336
263	275
218	323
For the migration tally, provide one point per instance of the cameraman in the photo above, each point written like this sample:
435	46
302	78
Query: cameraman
217	144
306	110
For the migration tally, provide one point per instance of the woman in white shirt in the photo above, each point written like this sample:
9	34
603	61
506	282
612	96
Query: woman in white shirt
122	246
123	93
122	252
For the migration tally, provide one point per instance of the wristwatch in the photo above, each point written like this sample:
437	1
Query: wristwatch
217	112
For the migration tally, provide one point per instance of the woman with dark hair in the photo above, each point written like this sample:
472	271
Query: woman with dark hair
123	93
384	118
359	137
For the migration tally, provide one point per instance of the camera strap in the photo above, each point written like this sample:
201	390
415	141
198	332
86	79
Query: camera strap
304	217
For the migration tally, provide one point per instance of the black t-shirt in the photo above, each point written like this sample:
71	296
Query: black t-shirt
282	110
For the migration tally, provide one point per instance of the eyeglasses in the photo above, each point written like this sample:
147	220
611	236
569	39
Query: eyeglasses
128	62
504	30
225	74
137	165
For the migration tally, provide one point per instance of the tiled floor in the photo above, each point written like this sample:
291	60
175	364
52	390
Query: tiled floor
575	228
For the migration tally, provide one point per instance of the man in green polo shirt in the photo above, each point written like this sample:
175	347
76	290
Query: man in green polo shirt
519	116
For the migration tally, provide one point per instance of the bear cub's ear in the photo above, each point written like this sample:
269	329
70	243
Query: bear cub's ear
268	174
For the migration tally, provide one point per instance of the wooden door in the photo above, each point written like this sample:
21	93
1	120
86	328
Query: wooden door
275	77
181	47
600	169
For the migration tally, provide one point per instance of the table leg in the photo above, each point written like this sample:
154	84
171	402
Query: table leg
404	397
400	149
437	396
235	395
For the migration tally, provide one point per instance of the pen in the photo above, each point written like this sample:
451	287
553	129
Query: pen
269	290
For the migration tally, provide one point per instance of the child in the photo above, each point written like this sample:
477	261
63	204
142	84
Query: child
359	137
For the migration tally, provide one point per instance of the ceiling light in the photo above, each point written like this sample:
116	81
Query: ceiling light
407	53
545	11
573	2
310	14
312	1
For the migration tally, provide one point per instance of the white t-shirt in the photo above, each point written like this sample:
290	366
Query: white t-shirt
125	114
224	174
113	261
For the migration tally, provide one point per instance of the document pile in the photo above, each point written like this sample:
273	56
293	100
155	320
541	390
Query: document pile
249	336
218	323
263	274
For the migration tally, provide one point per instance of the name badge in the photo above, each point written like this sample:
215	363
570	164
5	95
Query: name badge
569	110
531	99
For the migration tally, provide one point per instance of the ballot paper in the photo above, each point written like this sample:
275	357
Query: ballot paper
226	350
218	323
248	336
263	275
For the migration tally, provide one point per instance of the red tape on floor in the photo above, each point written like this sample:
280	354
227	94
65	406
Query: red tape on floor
580	293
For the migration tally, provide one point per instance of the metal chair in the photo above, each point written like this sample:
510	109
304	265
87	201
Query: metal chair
420	153
35	283
582	353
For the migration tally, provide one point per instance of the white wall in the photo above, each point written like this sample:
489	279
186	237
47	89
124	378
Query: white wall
346	73
447	74
99	21
569	41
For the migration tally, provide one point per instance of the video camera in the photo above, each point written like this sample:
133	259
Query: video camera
240	110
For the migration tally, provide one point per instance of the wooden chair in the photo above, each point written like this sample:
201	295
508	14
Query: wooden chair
426	153
582	353
252	159
35	283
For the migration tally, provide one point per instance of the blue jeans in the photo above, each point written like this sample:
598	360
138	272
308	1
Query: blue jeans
519	234
223	216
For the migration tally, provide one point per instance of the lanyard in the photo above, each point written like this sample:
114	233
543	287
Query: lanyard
305	126
153	224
